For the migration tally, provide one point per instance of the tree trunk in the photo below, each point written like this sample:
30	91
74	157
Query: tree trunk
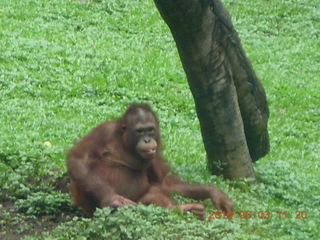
230	100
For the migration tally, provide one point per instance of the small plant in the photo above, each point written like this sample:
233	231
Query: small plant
42	203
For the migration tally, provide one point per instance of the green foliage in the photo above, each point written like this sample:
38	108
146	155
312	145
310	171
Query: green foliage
67	65
41	203
142	222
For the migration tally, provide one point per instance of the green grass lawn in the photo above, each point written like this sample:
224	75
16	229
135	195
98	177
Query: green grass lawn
67	65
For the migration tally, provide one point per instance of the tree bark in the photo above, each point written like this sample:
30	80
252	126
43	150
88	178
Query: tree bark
230	100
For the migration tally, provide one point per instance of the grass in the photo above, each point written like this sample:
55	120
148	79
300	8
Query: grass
66	66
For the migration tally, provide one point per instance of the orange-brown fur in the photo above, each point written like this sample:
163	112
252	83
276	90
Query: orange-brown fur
106	170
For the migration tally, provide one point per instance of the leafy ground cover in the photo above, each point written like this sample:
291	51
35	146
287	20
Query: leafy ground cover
66	66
